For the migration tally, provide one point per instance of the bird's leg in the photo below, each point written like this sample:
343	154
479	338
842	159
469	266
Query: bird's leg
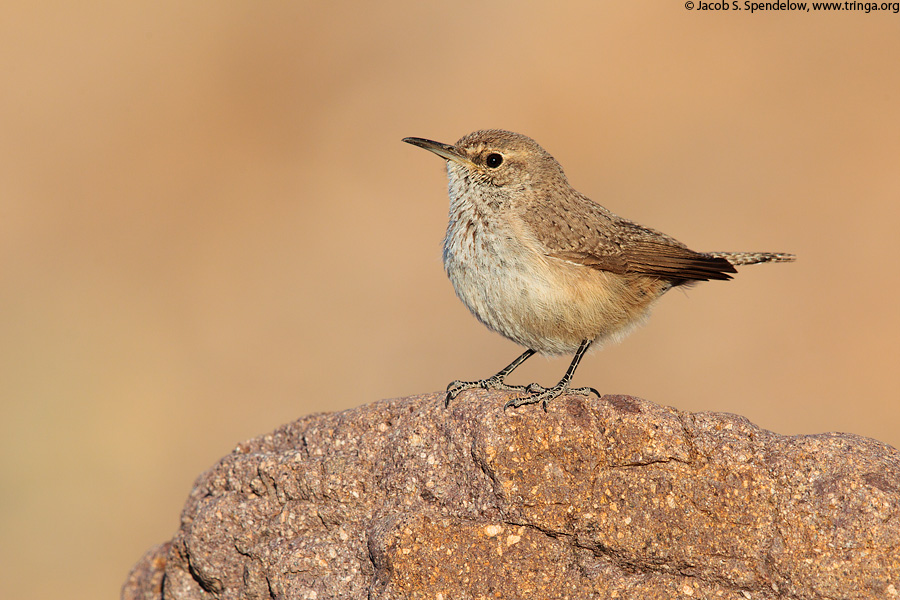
496	382
545	395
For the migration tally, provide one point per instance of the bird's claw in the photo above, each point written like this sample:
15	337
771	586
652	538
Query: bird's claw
539	393
455	388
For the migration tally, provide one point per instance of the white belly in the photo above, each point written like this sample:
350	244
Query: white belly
542	303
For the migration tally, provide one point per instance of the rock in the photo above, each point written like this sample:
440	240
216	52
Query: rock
146	578
596	498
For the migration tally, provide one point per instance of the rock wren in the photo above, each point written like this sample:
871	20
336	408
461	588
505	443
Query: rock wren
547	267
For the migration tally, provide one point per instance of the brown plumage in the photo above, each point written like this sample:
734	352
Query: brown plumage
547	267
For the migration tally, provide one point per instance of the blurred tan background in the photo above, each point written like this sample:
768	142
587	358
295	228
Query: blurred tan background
209	227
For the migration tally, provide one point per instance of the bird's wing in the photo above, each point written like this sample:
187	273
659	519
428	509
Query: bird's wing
580	231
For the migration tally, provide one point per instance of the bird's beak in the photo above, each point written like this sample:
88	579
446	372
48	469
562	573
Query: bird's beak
445	151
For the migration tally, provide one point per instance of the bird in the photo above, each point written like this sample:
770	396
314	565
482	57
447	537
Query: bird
548	268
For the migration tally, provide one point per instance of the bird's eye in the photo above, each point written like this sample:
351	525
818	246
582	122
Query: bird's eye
493	160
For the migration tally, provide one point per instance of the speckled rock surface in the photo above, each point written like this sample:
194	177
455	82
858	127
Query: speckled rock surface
597	498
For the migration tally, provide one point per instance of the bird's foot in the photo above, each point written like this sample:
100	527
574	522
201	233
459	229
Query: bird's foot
539	393
491	383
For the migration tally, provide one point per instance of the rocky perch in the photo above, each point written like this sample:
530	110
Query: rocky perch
614	497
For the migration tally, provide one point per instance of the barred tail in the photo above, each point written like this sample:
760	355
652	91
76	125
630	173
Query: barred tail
752	258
